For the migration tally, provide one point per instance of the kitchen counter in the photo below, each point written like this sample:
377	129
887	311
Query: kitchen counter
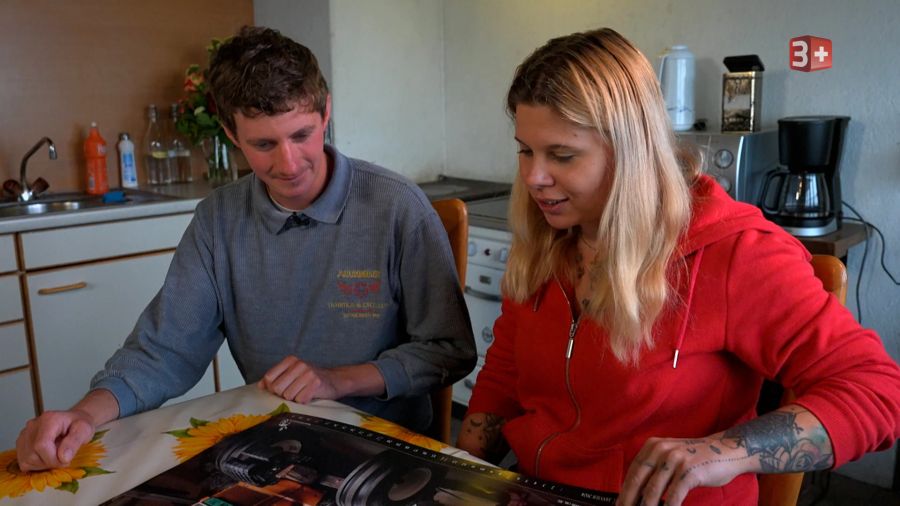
185	197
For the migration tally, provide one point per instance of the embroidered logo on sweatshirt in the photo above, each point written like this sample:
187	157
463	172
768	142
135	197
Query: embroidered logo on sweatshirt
360	290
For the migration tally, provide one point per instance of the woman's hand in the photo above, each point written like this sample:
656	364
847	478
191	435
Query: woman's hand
670	468
480	435
790	439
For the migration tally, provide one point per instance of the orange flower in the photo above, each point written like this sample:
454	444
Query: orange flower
391	429
203	434
14	482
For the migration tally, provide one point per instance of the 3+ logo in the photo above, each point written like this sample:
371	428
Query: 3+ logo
809	53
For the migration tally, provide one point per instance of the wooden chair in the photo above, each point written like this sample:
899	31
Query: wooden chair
455	218
784	489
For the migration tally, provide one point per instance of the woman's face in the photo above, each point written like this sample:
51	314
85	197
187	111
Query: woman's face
564	166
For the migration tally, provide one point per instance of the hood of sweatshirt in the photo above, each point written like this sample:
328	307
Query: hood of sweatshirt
716	216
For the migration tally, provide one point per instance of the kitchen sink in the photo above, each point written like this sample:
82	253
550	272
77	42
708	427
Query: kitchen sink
68	202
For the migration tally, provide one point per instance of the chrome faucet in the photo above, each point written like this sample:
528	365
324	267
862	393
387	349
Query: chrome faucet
27	193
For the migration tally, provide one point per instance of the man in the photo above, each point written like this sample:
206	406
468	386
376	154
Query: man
330	278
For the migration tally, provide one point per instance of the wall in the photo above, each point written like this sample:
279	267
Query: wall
66	64
387	81
484	41
306	21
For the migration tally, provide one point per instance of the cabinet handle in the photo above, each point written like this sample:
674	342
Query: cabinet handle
64	288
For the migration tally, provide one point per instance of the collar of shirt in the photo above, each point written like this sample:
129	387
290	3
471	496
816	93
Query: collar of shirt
327	208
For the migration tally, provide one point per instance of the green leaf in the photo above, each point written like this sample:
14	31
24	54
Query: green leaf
196	422
179	433
99	435
69	486
95	471
282	408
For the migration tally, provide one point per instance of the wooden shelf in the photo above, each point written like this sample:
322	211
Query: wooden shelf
838	242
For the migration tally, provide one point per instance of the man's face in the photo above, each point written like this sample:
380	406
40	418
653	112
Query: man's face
286	152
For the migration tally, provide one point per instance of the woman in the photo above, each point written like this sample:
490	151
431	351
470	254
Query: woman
643	308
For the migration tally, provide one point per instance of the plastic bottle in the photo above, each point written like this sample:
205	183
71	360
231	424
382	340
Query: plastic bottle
156	154
676	78
95	155
179	151
127	166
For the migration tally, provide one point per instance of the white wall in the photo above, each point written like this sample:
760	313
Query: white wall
388	64
306	21
384	61
485	40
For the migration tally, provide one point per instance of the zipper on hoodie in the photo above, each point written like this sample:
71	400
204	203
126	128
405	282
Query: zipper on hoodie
573	329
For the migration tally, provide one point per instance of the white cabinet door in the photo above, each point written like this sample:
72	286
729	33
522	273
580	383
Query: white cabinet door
13	347
10	298
18	406
7	253
81	315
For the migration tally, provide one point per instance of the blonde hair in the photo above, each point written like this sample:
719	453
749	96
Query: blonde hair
599	80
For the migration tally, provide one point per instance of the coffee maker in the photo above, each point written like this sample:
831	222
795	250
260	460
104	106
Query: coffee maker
804	197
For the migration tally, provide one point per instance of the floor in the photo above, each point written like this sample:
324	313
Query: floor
820	489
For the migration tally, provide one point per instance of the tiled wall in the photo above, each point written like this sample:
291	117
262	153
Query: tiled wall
64	64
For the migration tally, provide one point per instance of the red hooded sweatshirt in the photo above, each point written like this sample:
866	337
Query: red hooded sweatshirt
749	308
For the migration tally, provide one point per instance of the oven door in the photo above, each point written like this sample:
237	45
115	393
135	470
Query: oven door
483	301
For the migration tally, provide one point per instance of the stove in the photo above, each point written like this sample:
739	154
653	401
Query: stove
467	190
489	213
489	241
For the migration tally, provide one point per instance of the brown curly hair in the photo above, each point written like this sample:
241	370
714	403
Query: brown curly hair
260	71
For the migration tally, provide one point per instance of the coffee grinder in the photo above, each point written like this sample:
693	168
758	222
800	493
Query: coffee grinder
804	197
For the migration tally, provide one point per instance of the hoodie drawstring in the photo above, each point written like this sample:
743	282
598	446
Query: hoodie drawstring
695	268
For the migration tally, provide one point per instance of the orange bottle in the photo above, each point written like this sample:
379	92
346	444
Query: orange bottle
95	155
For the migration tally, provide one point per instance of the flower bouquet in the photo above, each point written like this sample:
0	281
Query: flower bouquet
198	121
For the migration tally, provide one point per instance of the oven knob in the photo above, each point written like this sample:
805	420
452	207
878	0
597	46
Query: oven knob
723	158
504	254
486	335
473	249
725	183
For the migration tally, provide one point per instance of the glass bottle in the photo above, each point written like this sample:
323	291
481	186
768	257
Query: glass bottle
179	150
155	151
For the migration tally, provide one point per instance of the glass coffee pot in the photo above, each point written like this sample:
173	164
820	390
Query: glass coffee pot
801	195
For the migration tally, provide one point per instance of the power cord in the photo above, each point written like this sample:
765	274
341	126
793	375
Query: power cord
867	225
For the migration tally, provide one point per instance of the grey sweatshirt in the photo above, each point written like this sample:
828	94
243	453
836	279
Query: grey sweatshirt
363	275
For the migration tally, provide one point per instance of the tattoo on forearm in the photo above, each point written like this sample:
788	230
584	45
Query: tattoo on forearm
783	446
487	431
708	462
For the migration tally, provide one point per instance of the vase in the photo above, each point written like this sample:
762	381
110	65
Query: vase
221	168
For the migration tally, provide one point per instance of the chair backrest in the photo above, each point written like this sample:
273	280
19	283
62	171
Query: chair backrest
784	489
455	218
831	271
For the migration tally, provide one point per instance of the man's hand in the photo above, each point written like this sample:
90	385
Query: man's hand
298	381
52	439
295	380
